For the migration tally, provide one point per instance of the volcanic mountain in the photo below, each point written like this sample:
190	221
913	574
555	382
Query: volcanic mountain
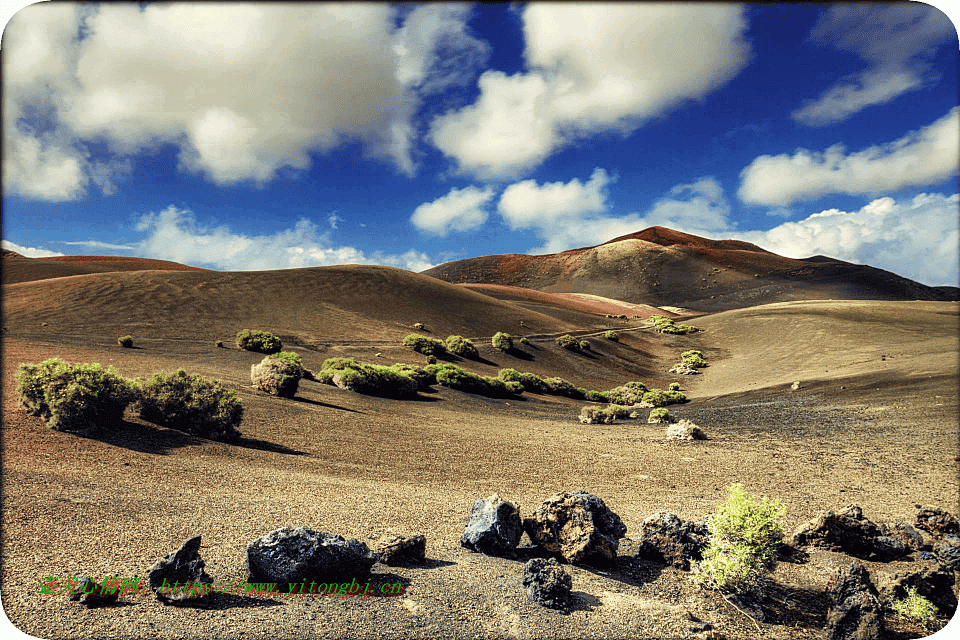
663	267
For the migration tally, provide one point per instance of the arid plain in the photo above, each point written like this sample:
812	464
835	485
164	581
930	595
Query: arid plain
874	422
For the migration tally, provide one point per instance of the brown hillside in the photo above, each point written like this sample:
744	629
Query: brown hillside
662	267
17	268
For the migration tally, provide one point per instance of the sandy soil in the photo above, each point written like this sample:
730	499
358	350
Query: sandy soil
878	432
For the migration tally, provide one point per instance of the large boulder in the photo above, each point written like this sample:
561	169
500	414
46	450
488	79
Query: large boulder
947	550
493	526
847	530
289	555
932	581
855	612
547	583
906	534
937	521
401	550
666	538
578	526
183	566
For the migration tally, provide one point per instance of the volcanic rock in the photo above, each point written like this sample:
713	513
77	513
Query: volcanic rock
289	555
937	521
493	527
578	526
184	566
667	539
933	581
547	583
947	551
855	612
848	531
401	550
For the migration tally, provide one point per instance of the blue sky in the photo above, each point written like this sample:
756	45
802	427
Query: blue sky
269	136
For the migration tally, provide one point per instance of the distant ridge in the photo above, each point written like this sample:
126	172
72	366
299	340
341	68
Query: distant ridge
659	266
19	268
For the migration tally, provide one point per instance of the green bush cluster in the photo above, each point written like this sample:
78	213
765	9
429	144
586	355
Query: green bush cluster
914	607
462	347
660	416
368	379
592	414
693	358
259	341
457	378
663	324
125	341
278	374
660	398
80	398
596	396
612	335
744	533
190	403
674	386
627	394
426	346
502	341
567	341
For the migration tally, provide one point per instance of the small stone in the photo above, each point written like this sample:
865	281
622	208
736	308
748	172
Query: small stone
937	521
401	550
947	551
547	583
184	566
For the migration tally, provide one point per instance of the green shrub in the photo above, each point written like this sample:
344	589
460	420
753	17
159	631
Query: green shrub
656	398
568	342
531	382
126	342
80	398
219	343
524	341
334	364
676	397
420	375
190	403
426	346
559	387
462	347
612	335
584	345
693	359
628	394
259	341
278	376
674	386
592	414
457	378
596	396
618	411
914	607
376	380
502	341
660	416
657	318
744	532
431	359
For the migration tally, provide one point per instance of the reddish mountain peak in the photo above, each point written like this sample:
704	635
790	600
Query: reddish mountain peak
667	237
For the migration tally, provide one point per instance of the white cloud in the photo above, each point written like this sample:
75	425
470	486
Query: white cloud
29	252
334	219
592	68
574	214
246	91
895	39
173	234
459	210
917	239
922	157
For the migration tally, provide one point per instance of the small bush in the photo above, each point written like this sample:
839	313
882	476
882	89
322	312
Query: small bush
530	382
426	346
420	375
618	411
219	343
612	335
80	398
375	380
276	376
523	342
190	403
592	414
462	347
431	359
674	386
744	532
557	386
660	416
628	394
596	396
502	341
457	378
693	359
584	345
126	342
914	607
259	341
568	342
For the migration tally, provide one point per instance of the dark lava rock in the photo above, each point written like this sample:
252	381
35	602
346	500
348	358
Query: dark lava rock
290	555
184	566
493	527
947	551
401	550
934	582
937	521
667	539
906	534
848	531
92	595
547	583
855	612
578	526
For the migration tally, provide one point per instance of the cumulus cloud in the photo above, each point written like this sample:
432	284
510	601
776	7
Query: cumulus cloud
173	234
592	68
459	210
896	40
917	239
574	214
246	91
29	252
922	157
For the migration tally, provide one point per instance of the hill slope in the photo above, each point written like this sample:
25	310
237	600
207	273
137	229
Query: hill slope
659	266
17	268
